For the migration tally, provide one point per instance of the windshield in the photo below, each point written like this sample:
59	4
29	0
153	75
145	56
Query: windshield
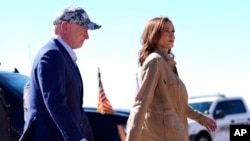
201	106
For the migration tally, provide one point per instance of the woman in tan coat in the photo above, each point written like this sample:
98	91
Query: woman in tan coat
160	109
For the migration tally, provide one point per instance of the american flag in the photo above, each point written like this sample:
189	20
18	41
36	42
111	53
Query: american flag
104	105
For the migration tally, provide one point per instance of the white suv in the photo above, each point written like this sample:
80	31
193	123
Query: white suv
224	110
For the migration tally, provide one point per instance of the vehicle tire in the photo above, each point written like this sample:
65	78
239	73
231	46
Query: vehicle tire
203	137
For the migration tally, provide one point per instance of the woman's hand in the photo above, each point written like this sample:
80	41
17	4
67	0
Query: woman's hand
210	124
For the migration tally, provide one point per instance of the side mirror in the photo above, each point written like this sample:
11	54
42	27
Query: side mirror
206	112
219	114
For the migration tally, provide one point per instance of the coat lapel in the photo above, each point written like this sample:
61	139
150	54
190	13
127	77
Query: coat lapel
72	63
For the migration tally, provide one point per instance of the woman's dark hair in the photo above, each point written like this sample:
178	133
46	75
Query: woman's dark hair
151	36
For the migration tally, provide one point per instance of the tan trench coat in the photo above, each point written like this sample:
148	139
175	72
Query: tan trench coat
161	108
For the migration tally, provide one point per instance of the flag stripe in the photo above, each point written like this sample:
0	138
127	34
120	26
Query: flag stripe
104	106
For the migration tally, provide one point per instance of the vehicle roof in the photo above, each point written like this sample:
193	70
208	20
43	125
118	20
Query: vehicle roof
4	73
14	70
119	111
207	98
9	72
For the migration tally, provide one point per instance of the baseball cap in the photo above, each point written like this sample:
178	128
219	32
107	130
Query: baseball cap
75	14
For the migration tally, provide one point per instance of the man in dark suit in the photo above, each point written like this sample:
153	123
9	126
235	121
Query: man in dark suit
55	99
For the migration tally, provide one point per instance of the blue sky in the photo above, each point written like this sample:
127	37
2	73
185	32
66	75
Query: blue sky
212	43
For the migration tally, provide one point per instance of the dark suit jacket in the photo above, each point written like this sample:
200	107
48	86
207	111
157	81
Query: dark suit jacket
56	98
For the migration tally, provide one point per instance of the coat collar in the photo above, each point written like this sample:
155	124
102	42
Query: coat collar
167	57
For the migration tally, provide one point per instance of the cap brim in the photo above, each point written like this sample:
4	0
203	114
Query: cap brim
91	26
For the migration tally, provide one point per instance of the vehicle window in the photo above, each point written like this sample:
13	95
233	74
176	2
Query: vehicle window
223	106
231	107
237	106
201	106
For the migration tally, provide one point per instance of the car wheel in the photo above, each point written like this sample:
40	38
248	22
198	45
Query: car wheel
203	137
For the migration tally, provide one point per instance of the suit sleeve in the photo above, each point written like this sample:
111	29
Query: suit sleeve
51	79
150	77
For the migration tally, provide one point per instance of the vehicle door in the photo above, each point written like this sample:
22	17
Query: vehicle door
233	112
223	119
4	119
238	112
